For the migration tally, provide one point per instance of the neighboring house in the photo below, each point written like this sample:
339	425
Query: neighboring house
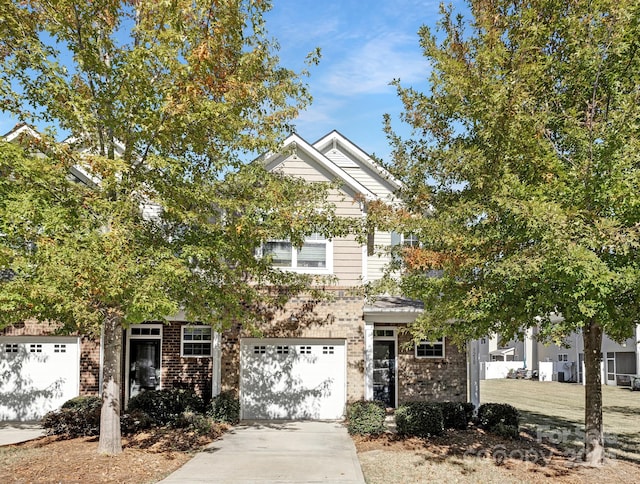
620	361
311	359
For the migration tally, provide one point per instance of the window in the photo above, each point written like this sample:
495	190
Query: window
381	333
59	348
327	350
305	350
410	240
563	357
35	348
314	255
430	349
11	348
145	331
282	350
259	350
400	242
196	341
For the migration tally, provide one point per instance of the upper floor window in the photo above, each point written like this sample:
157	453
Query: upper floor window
314	255
430	349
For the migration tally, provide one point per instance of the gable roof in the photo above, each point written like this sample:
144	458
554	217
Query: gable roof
295	143
343	159
20	129
24	130
337	139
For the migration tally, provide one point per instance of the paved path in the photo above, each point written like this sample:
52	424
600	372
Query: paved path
276	452
16	432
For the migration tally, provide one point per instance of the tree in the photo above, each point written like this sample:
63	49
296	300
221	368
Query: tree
522	176
162	99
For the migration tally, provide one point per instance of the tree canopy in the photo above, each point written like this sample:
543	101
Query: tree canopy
522	174
164	100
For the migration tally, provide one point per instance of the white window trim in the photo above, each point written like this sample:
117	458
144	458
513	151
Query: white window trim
563	357
432	343
183	341
307	270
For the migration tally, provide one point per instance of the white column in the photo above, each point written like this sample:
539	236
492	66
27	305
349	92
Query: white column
473	366
638	349
368	360
216	371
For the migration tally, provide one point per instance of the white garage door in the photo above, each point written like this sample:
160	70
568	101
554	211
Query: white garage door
292	379
37	375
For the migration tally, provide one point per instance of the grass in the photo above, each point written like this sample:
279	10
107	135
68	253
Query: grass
556	411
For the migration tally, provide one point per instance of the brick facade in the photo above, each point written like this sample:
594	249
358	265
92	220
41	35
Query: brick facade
181	372
430	379
89	366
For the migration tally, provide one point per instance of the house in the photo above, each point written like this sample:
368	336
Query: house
312	358
565	363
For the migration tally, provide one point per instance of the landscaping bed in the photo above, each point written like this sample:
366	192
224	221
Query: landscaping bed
147	457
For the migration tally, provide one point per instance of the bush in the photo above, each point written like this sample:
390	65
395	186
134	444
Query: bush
491	415
509	431
468	410
455	415
198	422
366	418
134	421
420	419
225	407
165	406
87	402
78	417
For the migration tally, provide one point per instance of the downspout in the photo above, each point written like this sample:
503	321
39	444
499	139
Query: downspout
101	362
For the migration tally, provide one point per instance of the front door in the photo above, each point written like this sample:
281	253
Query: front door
144	365
384	372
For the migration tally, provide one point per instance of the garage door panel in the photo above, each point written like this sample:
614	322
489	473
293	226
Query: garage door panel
36	376
292	379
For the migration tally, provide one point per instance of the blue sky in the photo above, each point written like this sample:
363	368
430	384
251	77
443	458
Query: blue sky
365	45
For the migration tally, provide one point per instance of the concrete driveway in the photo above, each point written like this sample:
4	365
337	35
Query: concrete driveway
16	432
276	452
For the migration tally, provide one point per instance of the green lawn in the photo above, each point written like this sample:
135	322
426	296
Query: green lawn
556	410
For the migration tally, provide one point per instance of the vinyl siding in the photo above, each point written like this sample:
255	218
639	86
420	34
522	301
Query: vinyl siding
377	262
347	253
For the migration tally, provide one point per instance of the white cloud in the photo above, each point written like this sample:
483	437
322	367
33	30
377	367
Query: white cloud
369	67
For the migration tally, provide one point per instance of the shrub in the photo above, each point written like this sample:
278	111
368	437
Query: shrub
509	431
134	421
198	422
78	417
490	415
455	415
165	406
87	402
366	417
225	407
468	410
420	419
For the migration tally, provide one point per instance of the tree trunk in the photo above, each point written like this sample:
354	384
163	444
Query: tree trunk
593	439
110	438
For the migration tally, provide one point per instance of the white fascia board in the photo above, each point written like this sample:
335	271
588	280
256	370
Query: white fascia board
21	129
360	154
322	160
119	146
